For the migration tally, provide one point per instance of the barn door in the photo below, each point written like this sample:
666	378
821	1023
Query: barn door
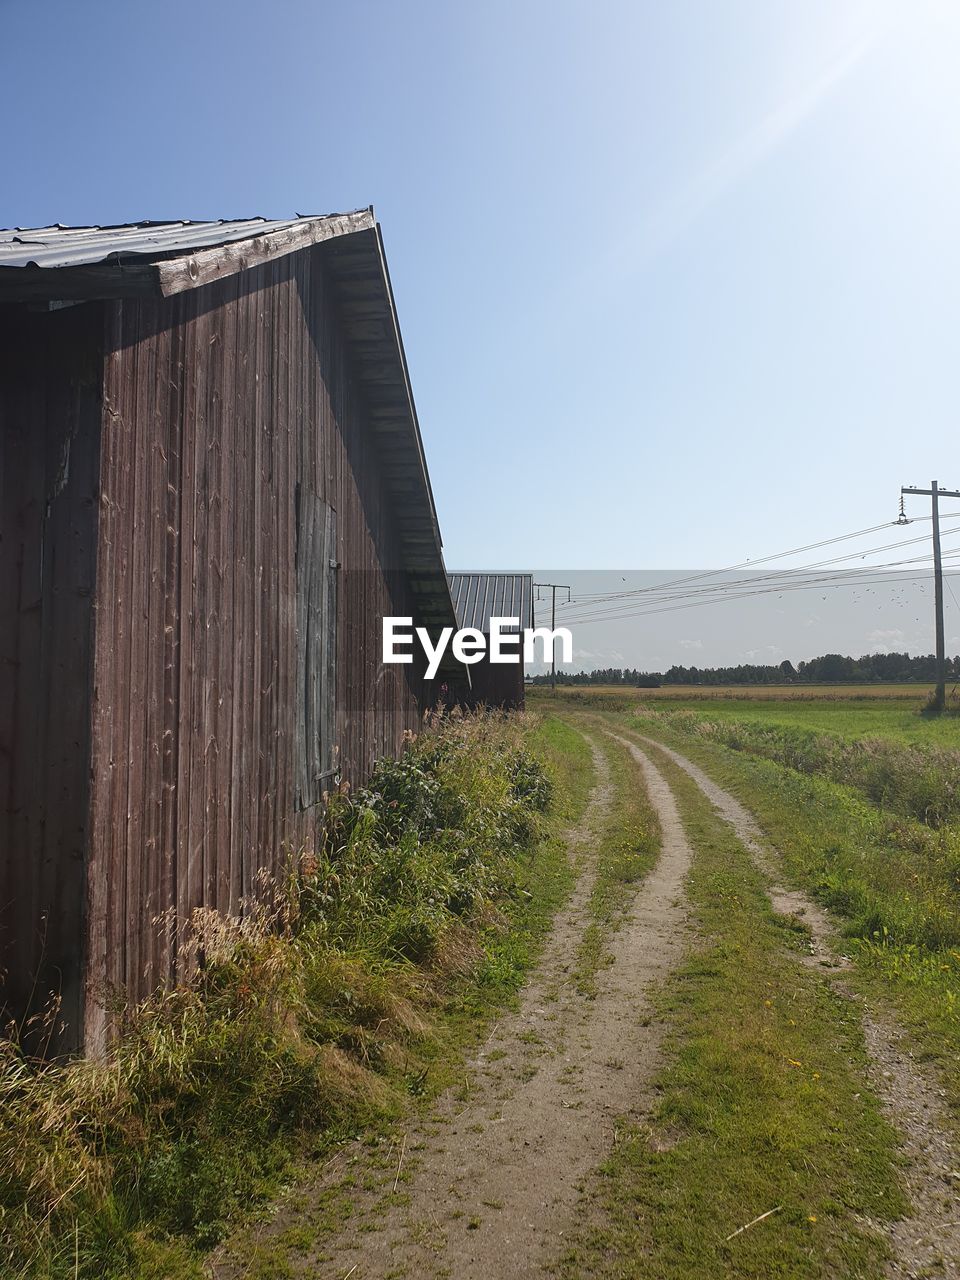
316	760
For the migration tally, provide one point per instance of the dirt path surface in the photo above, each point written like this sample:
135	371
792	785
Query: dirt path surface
927	1243
491	1178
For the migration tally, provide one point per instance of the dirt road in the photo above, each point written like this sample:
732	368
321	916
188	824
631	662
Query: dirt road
927	1241
489	1183
491	1178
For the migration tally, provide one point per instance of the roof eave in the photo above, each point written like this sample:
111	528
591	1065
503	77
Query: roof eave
364	295
148	274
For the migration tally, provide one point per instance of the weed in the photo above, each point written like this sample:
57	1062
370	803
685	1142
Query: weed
912	780
308	1020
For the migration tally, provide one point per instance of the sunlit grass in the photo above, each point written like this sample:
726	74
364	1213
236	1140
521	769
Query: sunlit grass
892	881
761	1105
858	717
852	693
329	1012
624	849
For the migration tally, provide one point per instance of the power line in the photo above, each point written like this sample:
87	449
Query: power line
744	587
681	593
742	595
778	555
599	600
760	584
822	582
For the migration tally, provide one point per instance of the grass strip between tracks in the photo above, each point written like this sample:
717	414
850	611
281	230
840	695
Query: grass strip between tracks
761	1104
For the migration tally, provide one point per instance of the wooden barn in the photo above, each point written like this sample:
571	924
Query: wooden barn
478	597
212	488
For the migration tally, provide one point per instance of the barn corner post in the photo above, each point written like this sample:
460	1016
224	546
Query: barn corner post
50	396
93	1034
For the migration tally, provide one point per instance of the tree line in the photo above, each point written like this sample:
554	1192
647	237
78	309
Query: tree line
831	668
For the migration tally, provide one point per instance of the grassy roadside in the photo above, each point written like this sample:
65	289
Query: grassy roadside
892	883
265	1246
511	942
322	1019
626	850
852	717
762	1105
918	780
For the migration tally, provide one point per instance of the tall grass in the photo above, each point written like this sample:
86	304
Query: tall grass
871	825
302	1021
921	782
893	881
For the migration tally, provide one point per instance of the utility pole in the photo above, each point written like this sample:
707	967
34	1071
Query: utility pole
935	493
554	587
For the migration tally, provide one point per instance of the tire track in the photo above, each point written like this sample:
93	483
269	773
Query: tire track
492	1186
927	1242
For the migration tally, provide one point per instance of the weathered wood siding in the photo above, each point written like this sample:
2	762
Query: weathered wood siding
218	403
50	374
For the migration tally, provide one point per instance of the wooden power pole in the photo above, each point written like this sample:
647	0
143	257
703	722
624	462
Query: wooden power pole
554	587
935	493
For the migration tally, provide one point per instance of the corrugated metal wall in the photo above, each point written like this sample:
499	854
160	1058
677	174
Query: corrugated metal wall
478	597
50	375
497	685
217	403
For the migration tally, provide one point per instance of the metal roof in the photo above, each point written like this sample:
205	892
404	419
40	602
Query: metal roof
61	246
478	597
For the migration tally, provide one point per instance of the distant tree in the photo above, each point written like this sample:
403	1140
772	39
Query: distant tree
830	668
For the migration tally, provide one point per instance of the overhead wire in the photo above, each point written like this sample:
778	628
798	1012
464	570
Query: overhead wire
741	587
693	604
778	555
612	605
658	588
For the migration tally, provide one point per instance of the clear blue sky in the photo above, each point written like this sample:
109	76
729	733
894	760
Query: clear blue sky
678	281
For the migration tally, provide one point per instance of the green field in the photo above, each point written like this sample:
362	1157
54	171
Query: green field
850	711
879	714
912	693
883	717
860	794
